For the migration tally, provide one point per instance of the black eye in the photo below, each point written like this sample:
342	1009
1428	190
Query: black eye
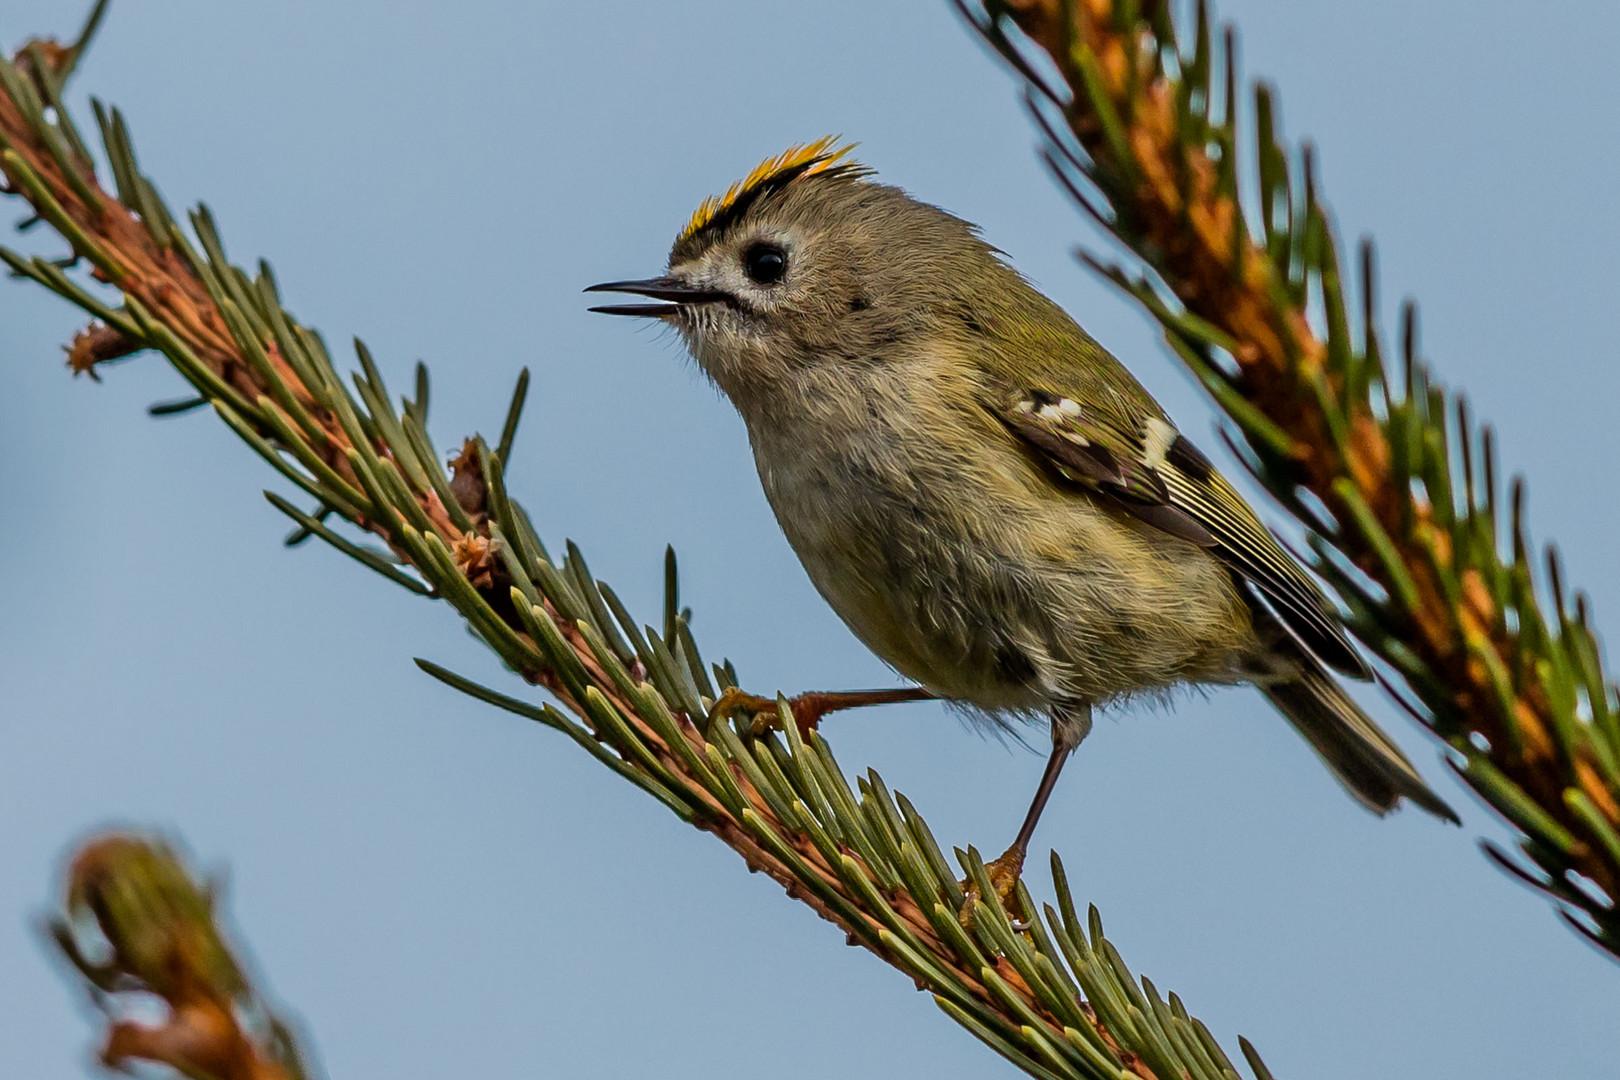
765	263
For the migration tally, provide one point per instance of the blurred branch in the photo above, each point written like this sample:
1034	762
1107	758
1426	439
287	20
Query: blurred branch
1051	994
1396	487
135	924
59	61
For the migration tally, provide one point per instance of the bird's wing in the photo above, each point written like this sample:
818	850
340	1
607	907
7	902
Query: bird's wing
1114	446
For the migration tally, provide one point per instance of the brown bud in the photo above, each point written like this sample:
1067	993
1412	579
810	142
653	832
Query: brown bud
467	479
475	555
97	343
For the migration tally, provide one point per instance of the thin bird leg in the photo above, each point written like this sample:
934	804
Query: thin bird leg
1070	726
809	708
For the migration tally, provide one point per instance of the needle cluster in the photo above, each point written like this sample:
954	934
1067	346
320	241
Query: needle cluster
1396	486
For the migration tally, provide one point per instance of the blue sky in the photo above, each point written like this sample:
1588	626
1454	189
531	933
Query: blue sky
441	890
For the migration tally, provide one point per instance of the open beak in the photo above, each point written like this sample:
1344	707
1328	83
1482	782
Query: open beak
662	288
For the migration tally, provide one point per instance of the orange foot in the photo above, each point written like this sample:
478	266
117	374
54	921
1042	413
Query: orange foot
1004	874
808	709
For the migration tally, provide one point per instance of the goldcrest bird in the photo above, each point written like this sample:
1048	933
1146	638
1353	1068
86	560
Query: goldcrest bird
988	499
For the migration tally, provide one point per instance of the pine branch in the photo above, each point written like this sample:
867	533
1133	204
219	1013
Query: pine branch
1395	485
134	924
1050	994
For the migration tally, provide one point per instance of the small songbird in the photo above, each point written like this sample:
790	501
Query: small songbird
988	499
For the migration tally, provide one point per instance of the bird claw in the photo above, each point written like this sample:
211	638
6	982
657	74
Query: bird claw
733	700
764	713
1004	874
807	708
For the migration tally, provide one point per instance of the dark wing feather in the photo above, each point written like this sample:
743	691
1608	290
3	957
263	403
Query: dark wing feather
1154	473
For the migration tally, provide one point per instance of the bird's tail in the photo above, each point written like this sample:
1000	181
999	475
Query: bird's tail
1365	760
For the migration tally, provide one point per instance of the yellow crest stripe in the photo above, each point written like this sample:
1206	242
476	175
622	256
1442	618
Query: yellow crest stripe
807	159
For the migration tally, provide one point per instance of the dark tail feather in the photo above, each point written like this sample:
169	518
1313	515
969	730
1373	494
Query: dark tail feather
1363	759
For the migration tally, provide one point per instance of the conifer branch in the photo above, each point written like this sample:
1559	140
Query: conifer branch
136	923
1395	485
1049	993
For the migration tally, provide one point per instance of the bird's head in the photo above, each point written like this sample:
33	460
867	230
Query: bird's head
808	262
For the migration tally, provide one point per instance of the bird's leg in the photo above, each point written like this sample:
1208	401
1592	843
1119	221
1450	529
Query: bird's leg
808	709
1070	725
